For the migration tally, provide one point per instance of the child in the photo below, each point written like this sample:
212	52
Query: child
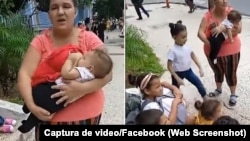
209	111
233	18
169	100
6	125
95	64
180	57
152	117
191	5
226	120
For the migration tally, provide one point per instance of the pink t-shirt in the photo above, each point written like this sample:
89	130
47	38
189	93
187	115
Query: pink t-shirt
88	106
227	47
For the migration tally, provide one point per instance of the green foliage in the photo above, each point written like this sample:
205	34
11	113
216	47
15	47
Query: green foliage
140	57
5	6
109	8
82	3
15	37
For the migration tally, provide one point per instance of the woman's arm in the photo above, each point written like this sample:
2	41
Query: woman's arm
28	66
74	89
201	32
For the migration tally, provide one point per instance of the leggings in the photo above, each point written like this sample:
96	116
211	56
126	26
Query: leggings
226	66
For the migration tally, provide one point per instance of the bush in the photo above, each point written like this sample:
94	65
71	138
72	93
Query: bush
140	57
15	37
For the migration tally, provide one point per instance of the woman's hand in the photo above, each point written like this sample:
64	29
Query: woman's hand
69	92
40	113
217	30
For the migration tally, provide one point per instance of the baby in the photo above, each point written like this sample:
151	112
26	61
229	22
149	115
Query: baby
233	19
95	64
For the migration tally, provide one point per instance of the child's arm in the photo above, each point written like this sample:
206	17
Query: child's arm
177	78
173	112
193	56
230	35
68	70
175	90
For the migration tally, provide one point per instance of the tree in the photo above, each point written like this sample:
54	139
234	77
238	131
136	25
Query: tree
12	48
109	8
5	7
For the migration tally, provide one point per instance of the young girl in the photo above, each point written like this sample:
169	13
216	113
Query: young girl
168	100
6	125
180	58
209	111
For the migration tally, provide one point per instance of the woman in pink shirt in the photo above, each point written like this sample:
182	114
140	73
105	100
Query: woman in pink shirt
84	101
229	55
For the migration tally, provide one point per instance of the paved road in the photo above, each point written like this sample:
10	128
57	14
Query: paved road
241	5
158	36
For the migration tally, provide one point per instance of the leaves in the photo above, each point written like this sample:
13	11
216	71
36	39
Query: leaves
15	37
140	57
5	6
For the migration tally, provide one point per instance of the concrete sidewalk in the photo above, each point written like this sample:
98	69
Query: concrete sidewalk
114	96
241	5
158	35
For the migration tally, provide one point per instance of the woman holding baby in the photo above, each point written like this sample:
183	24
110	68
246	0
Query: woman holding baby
229	54
85	101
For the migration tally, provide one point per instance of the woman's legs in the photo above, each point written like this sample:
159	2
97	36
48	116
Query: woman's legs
218	76
226	65
231	65
91	121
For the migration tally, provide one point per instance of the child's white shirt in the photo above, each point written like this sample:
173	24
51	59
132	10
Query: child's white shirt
227	23
166	103
85	75
181	57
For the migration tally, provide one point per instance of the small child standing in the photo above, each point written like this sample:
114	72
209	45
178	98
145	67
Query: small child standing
233	19
180	58
6	125
209	111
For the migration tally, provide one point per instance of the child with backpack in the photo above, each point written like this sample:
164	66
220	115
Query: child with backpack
180	58
6	125
154	96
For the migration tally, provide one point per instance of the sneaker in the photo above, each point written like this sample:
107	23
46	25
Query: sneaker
7	129
9	121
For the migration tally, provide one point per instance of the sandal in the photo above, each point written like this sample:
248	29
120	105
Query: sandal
216	92
233	100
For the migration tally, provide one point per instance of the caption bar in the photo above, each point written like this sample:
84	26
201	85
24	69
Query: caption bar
57	132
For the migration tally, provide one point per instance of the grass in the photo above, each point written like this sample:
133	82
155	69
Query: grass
140	57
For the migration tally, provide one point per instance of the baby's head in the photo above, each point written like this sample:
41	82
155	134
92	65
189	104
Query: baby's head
234	17
151	117
210	109
149	84
98	62
226	120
